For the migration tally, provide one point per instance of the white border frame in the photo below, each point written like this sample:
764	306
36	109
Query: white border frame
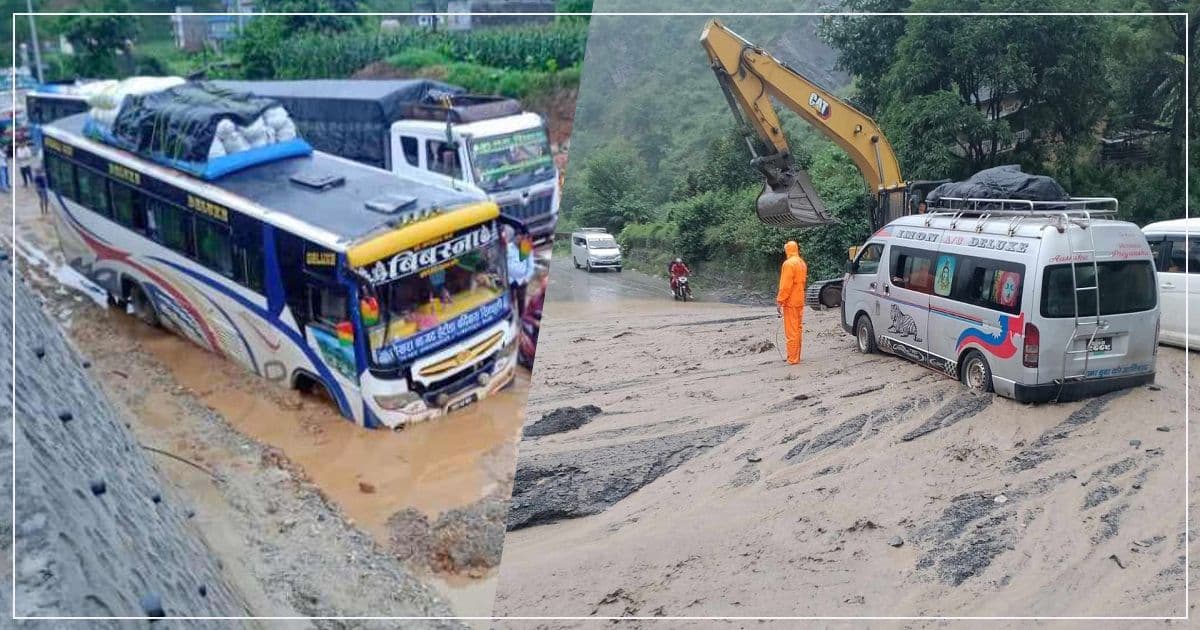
13	261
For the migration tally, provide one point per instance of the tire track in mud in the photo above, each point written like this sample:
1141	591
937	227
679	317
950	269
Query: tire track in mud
977	527
959	408
956	551
1038	452
555	486
869	424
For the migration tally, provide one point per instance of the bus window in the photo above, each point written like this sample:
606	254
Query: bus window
248	268
327	305
1126	286
92	192
943	275
62	176
990	283
213	247
172	226
128	208
912	269
247	252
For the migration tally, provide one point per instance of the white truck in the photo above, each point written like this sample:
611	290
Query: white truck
432	132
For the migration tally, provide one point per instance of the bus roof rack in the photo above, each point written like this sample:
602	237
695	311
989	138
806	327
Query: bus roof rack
1082	207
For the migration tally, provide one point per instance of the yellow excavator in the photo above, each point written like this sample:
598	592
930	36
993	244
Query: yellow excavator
750	78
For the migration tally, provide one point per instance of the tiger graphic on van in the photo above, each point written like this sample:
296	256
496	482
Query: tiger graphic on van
903	324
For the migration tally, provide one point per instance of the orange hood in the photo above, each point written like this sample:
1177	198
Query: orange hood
791	249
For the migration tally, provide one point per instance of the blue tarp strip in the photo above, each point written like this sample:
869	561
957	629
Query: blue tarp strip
212	169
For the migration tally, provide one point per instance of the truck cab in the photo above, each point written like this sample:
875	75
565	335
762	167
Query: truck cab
431	132
507	158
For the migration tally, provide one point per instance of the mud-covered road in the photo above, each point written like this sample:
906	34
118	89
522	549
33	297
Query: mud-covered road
673	464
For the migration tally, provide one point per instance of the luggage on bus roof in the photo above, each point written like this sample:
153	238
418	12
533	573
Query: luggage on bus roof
1002	182
181	122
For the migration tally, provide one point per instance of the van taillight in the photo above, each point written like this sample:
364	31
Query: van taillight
1157	328
1033	342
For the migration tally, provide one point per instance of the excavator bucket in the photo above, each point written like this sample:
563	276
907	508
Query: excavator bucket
792	202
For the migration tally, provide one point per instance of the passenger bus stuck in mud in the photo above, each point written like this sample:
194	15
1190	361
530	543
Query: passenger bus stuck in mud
311	270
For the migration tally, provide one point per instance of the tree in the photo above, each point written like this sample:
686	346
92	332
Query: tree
613	189
103	43
1039	74
866	45
259	42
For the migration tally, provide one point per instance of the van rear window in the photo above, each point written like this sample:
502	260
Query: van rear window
1126	286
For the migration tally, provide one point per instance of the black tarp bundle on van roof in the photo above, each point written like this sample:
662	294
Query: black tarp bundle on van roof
180	123
1002	182
345	116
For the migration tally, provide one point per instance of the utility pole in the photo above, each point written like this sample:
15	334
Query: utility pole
37	49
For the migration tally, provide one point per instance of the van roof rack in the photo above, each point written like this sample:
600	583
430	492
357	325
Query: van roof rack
1079	210
1075	206
595	230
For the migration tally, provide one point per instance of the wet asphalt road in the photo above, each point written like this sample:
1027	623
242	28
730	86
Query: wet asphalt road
568	284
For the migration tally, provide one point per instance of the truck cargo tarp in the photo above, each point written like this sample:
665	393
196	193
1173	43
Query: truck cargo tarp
177	126
348	117
1002	182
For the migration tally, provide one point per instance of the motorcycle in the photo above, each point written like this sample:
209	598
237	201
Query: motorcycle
682	291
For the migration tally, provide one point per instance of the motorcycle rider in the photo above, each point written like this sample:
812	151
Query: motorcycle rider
677	269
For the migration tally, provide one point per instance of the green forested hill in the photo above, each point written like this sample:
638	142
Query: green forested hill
656	159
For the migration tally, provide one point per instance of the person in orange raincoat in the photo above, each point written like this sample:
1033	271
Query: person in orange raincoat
793	279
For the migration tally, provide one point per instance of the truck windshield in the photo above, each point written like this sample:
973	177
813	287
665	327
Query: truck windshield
512	160
1126	286
410	314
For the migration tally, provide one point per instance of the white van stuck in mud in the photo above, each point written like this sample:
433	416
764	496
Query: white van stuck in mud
1037	301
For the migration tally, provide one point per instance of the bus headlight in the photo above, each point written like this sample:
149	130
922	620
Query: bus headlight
392	402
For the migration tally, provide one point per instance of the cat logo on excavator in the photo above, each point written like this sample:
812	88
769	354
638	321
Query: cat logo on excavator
816	102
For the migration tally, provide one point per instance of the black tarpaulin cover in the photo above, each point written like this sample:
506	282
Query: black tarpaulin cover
1002	182
180	123
348	117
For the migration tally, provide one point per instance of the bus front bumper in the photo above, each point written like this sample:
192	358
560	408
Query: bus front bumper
1078	390
499	377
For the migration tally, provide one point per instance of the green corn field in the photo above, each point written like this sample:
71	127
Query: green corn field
544	48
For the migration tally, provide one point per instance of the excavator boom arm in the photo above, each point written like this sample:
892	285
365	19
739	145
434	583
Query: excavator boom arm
750	77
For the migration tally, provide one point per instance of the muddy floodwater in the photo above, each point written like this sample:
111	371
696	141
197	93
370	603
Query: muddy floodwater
370	475
432	466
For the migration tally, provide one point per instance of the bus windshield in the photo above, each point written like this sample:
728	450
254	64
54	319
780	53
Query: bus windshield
512	160
418	308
